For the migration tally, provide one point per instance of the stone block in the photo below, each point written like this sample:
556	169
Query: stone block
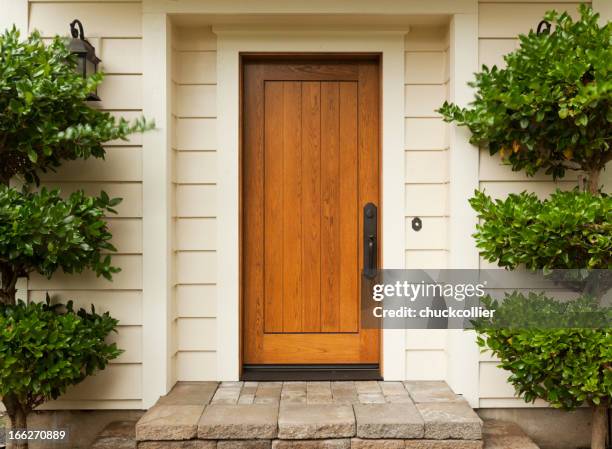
382	421
431	391
244	444
190	393
399	399
112	443
450	420
358	443
119	429
367	386
169	422
392	388
231	384
246	398
227	395
192	444
443	444
312	444
239	422
372	398
302	422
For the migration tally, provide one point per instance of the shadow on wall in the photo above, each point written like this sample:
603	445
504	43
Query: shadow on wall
548	428
83	425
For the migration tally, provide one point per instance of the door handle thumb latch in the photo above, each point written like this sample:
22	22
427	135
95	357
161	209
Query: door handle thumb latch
370	240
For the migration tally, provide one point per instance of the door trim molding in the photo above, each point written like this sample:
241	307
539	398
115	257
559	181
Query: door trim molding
229	47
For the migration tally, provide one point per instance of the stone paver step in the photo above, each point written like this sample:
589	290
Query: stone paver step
388	421
311	421
238	422
262	415
496	435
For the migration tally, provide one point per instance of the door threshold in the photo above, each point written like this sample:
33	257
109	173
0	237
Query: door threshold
311	372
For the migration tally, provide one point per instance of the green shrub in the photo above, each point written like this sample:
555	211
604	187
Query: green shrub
537	310
41	232
45	119
46	348
550	108
569	230
554	351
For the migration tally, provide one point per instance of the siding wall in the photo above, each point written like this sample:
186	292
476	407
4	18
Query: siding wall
499	24
115	30
195	178
427	182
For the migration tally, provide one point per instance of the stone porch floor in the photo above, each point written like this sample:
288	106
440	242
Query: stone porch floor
310	415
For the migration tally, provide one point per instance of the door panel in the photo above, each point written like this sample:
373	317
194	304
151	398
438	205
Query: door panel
310	164
311	206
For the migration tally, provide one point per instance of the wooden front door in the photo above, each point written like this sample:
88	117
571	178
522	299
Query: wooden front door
310	164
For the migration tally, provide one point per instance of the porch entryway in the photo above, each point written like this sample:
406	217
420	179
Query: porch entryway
338	415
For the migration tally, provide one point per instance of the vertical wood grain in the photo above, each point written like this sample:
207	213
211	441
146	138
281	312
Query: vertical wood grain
273	206
369	170
253	207
348	213
292	206
311	205
330	202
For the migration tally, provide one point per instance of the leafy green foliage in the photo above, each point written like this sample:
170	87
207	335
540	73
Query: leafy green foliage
563	365
42	232
537	310
46	348
550	108
45	118
568	230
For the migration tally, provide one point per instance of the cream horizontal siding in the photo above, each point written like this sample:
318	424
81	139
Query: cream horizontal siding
100	19
195	177
509	19
115	30
426	145
426	178
499	25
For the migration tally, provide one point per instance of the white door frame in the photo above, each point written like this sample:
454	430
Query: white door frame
231	42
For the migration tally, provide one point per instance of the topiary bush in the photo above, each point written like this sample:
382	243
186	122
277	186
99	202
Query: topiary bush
41	232
566	366
569	230
549	110
45	121
45	349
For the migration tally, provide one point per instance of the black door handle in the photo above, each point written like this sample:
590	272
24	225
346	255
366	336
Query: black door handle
370	240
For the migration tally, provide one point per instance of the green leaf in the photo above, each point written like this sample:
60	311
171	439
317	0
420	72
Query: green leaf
552	88
45	120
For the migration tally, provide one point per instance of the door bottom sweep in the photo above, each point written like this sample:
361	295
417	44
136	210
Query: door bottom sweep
311	372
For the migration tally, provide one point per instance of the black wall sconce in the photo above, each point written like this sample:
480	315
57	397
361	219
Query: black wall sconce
543	27
87	61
